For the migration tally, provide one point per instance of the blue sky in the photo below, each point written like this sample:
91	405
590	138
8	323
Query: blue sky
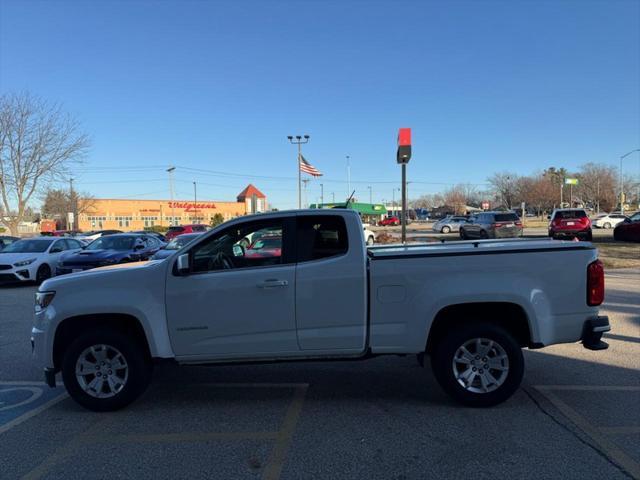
486	86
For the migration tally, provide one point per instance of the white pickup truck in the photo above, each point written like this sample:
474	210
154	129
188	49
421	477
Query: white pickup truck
309	289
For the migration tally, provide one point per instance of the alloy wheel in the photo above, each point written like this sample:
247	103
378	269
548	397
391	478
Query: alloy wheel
102	371
480	365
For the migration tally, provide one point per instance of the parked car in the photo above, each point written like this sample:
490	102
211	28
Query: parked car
61	233
174	245
448	224
6	240
629	229
389	221
33	259
326	296
492	225
182	229
608	220
369	237
570	223
110	250
95	234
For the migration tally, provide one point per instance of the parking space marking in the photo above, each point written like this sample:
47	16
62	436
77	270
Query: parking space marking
38	392
598	435
273	468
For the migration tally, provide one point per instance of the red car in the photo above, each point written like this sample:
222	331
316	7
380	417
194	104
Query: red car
265	247
389	221
180	229
629	229
570	223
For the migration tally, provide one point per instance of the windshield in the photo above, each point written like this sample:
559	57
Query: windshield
179	242
28	246
568	214
112	243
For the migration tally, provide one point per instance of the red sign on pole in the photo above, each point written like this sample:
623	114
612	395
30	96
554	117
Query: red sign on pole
404	145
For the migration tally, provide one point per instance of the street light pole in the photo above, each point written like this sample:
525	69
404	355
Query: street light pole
299	142
621	181
321	194
370	194
348	176
170	171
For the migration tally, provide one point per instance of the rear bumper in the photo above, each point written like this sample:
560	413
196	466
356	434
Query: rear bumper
592	333
569	233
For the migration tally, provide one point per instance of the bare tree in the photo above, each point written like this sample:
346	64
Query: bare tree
57	203
38	144
505	186
598	185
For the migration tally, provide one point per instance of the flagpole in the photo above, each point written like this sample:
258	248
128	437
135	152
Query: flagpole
298	141
299	178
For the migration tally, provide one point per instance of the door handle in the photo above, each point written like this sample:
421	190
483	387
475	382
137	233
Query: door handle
272	282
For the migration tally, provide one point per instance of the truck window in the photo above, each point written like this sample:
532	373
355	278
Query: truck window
255	244
321	236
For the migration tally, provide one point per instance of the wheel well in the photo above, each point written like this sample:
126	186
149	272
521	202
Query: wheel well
69	329
509	316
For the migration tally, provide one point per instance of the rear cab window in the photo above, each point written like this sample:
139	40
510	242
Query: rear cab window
506	217
569	214
321	236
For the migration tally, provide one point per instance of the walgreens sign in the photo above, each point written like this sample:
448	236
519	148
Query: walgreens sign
191	206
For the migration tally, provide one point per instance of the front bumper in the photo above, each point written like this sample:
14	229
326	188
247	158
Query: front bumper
592	333
17	275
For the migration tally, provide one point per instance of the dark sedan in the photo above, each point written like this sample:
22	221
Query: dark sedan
176	244
110	250
629	229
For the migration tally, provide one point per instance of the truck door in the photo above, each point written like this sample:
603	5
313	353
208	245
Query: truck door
238	298
331	284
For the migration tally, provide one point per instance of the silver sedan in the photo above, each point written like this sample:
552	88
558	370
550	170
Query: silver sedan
448	224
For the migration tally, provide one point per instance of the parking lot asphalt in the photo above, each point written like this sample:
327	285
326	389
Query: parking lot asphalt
576	416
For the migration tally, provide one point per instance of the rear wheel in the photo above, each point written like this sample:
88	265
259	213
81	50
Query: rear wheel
370	240
479	364
43	273
483	234
446	229
463	234
607	225
105	370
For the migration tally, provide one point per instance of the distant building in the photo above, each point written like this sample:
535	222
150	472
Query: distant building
129	214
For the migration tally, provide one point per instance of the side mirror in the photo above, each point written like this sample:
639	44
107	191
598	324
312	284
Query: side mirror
182	265
238	250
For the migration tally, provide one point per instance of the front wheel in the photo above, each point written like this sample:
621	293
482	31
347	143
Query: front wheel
446	229
105	370
43	273
479	365
463	234
370	241
607	226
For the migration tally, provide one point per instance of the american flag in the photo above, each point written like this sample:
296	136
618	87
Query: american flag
306	167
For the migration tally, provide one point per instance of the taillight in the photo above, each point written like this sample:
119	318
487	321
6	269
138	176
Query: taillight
518	224
595	283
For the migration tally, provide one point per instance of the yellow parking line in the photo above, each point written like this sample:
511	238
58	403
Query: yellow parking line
610	448
285	435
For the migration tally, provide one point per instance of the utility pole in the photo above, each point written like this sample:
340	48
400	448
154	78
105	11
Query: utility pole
393	201
299	142
598	195
621	181
333	197
170	170
72	207
195	201
348	176
321	194
370	194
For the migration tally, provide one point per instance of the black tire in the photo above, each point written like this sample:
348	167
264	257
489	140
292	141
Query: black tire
444	352
589	237
483	234
43	273
445	229
607	226
463	234
139	369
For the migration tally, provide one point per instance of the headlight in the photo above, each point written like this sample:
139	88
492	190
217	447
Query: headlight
24	262
43	299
